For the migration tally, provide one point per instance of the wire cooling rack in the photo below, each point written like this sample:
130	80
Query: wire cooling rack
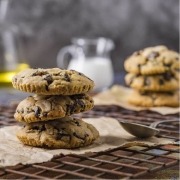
118	163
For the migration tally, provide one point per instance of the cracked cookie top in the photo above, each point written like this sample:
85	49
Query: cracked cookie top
67	132
43	108
153	60
53	81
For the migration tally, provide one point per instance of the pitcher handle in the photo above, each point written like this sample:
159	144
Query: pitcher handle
61	54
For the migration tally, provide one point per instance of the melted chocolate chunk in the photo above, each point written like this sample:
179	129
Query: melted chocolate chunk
47	87
49	79
79	137
153	55
67	78
80	103
167	76
39	73
62	134
70	108
167	65
35	128
37	111
161	81
39	128
77	123
139	66
131	80
77	96
15	79
147	81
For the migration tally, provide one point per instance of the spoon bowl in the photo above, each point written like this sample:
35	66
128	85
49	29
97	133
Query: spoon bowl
139	130
143	131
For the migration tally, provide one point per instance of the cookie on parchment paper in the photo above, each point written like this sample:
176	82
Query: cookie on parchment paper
66	133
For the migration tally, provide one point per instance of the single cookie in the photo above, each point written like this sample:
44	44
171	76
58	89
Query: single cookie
153	60
163	82
150	99
65	133
43	108
53	81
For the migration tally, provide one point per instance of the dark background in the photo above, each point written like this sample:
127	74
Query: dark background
48	25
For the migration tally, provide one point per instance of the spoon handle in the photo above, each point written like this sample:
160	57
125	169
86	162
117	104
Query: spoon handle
155	124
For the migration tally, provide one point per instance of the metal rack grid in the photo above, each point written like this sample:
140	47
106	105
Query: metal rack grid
118	163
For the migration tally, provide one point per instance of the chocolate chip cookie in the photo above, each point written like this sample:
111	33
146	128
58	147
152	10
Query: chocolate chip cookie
66	133
43	108
153	60
150	99
53	81
163	82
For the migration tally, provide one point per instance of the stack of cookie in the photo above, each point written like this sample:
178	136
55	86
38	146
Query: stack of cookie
47	115
153	73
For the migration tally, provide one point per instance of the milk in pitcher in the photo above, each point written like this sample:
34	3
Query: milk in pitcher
97	68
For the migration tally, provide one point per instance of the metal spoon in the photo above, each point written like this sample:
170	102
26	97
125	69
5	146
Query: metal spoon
143	131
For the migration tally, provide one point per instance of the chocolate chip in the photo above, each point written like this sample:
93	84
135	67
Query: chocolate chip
147	81
167	76
80	103
39	73
47	87
161	81
177	58
35	128
62	134
77	96
37	111
153	55
77	123
49	79
139	66
42	128
167	65
15	79
77	136
39	128
131	80
70	108
67	78
86	135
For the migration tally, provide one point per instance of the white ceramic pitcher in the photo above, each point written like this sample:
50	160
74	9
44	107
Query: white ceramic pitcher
92	58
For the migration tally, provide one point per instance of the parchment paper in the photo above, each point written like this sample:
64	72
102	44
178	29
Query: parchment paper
117	95
112	135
